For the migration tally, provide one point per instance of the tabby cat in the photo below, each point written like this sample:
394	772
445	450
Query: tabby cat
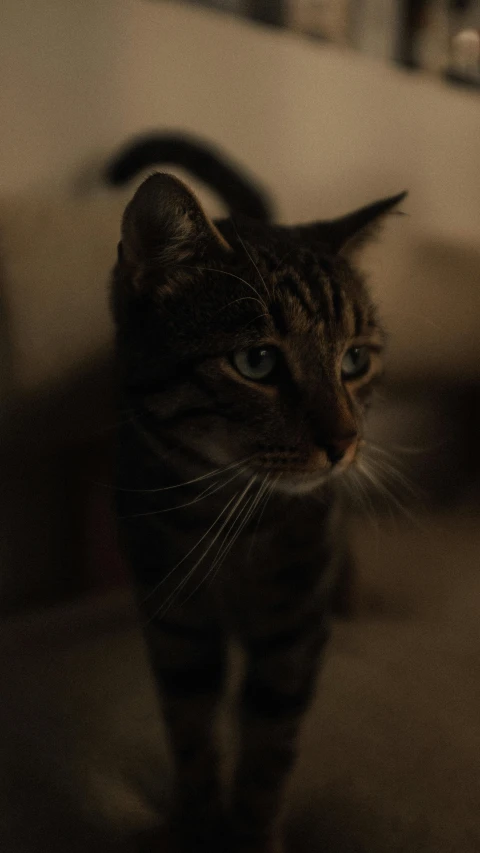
246	353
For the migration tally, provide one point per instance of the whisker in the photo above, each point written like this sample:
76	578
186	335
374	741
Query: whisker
210	490
240	522
387	493
240	299
253	506
239	278
214	473
183	583
222	549
365	499
400	478
269	493
173	595
247	514
385	464
367	505
378	487
249	256
258	317
185	557
401	448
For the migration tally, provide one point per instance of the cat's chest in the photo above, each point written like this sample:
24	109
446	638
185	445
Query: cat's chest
281	552
250	557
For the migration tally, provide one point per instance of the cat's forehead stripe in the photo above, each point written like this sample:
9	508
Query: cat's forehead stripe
295	294
298	294
321	299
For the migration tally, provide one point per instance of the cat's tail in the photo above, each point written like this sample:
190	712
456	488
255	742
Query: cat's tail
241	194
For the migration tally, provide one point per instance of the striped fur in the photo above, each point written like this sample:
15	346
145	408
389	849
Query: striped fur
226	486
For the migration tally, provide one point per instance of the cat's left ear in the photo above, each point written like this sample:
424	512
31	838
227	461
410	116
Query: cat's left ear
349	233
164	225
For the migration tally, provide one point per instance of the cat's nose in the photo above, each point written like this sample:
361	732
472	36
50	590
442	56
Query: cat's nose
337	448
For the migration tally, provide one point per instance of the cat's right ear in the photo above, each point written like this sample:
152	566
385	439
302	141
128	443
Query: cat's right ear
348	234
164	227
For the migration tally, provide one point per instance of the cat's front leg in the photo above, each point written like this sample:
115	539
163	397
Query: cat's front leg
187	655
282	666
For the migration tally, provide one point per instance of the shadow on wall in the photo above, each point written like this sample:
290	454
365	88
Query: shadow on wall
55	490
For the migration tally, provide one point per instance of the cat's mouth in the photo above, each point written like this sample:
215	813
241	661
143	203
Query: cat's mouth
282	459
298	473
294	483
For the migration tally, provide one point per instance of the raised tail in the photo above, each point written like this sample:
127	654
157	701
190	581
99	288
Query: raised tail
240	193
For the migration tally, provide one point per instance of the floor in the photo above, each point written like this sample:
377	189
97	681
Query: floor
390	757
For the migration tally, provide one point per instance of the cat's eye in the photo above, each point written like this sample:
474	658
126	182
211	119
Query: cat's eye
256	363
356	362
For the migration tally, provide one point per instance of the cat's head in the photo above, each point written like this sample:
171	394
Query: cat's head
247	343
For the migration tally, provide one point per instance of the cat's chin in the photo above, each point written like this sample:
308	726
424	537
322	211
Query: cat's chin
308	482
302	484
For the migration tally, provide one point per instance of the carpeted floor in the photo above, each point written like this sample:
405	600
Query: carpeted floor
390	758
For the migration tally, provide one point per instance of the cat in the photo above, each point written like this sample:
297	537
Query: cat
246	356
